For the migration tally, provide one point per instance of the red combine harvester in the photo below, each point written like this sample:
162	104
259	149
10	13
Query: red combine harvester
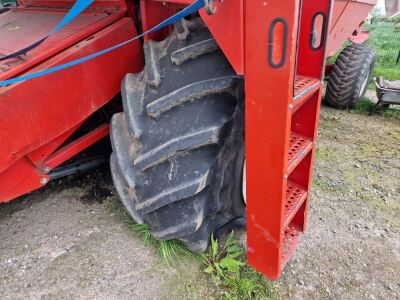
189	92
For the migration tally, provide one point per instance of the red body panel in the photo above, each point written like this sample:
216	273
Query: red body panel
30	25
153	13
26	111
348	18
227	26
37	112
38	156
76	147
22	178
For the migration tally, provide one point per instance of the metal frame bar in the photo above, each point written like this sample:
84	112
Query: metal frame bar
77	146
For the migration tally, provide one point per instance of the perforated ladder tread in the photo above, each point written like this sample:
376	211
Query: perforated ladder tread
304	88
291	237
295	197
299	147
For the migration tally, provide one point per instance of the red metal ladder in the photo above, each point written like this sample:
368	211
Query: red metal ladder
285	45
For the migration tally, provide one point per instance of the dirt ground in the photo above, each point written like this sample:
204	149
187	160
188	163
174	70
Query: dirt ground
69	240
352	247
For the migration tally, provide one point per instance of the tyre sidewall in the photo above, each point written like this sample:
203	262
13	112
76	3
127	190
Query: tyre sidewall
348	76
369	63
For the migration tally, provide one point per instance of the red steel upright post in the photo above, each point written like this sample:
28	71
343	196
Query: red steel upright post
284	57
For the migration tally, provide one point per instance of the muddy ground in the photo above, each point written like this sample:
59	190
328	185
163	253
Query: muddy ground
69	240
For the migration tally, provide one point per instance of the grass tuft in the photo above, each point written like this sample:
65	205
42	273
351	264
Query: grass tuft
169	250
143	230
226	264
364	105
249	285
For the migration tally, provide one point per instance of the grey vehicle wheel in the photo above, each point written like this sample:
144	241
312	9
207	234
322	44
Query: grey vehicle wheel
178	147
350	76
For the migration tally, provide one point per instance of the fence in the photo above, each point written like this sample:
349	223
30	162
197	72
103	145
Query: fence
385	38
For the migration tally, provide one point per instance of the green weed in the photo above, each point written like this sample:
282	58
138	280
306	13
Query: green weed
221	262
228	267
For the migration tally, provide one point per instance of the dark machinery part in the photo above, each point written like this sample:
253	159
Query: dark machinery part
80	166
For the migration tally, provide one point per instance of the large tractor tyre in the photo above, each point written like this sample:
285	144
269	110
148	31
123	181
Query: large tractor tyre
178	147
350	76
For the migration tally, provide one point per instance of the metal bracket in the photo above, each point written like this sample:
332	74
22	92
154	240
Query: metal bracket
210	8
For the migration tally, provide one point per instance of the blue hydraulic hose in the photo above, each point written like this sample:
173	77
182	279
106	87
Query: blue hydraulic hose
76	9
194	7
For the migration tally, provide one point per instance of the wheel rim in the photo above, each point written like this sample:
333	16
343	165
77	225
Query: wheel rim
364	84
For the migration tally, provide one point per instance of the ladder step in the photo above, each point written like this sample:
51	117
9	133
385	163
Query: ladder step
299	147
295	197
304	88
291	237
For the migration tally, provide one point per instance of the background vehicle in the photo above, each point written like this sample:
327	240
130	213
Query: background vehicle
351	73
178	138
